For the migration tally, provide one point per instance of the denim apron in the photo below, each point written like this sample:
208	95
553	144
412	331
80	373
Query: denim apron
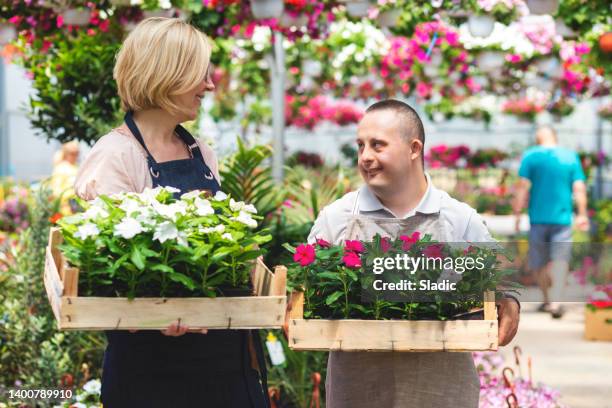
147	369
405	379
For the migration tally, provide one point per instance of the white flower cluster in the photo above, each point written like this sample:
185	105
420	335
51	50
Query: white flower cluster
148	213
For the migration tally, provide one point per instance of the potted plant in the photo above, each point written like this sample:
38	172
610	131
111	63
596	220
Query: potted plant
76	16
7	33
598	314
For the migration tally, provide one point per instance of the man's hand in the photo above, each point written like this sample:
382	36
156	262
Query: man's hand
508	319
517	223
581	222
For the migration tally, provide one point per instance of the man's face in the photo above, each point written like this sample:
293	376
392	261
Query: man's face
384	157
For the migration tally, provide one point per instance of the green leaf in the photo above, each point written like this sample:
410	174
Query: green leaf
137	258
333	297
184	279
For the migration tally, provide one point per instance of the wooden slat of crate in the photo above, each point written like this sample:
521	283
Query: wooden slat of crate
392	335
97	313
267	310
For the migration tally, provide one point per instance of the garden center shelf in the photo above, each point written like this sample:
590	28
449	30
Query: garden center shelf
266	309
392	335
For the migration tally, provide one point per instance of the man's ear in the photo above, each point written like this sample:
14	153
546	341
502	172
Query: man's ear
416	149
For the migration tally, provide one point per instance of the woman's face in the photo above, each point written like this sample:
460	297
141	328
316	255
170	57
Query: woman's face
191	101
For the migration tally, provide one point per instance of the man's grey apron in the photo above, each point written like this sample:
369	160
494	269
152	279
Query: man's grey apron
400	379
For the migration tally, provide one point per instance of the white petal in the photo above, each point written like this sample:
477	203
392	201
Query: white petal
220	196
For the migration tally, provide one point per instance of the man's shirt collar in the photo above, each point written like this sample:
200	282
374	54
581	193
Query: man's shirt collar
429	204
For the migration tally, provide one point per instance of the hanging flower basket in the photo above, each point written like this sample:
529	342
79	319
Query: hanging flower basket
357	8
389	18
542	6
7	33
76	17
263	9
481	25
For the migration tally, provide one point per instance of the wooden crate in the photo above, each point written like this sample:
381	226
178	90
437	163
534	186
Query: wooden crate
598	324
392	335
264	310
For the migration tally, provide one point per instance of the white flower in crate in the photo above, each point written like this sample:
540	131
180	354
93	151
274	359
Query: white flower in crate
220	196
250	208
203	207
87	230
165	231
128	228
236	205
94	212
227	236
131	206
209	230
245	218
170	211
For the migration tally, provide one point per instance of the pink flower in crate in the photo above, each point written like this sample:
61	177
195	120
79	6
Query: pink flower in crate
353	246
409	241
304	254
323	243
351	259
433	251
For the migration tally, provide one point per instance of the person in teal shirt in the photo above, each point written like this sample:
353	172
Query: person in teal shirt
549	176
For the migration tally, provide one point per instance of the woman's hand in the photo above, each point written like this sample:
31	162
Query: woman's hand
176	329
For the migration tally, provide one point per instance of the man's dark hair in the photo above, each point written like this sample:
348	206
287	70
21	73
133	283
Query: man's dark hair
411	124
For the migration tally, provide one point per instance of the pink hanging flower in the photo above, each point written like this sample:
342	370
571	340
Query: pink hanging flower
353	246
351	259
304	254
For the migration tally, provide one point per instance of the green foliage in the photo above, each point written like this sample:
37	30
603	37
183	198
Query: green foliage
75	94
32	353
245	177
294	377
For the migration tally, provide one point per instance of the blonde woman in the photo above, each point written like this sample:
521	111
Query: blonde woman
64	174
162	72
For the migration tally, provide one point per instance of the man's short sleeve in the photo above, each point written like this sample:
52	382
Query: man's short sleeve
577	172
525	169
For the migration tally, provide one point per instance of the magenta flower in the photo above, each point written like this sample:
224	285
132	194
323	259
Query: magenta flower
304	254
353	246
323	243
409	241
351	259
433	251
385	244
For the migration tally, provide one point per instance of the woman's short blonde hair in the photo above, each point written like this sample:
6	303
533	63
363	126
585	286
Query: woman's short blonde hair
161	58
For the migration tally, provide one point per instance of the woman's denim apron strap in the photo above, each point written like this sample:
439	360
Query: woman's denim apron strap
148	369
185	175
399	379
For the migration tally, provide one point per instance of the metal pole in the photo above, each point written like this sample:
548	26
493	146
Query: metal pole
599	173
277	79
4	136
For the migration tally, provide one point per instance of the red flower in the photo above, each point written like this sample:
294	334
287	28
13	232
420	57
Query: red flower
54	218
601	304
351	259
323	243
385	244
353	246
409	241
433	251
304	254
